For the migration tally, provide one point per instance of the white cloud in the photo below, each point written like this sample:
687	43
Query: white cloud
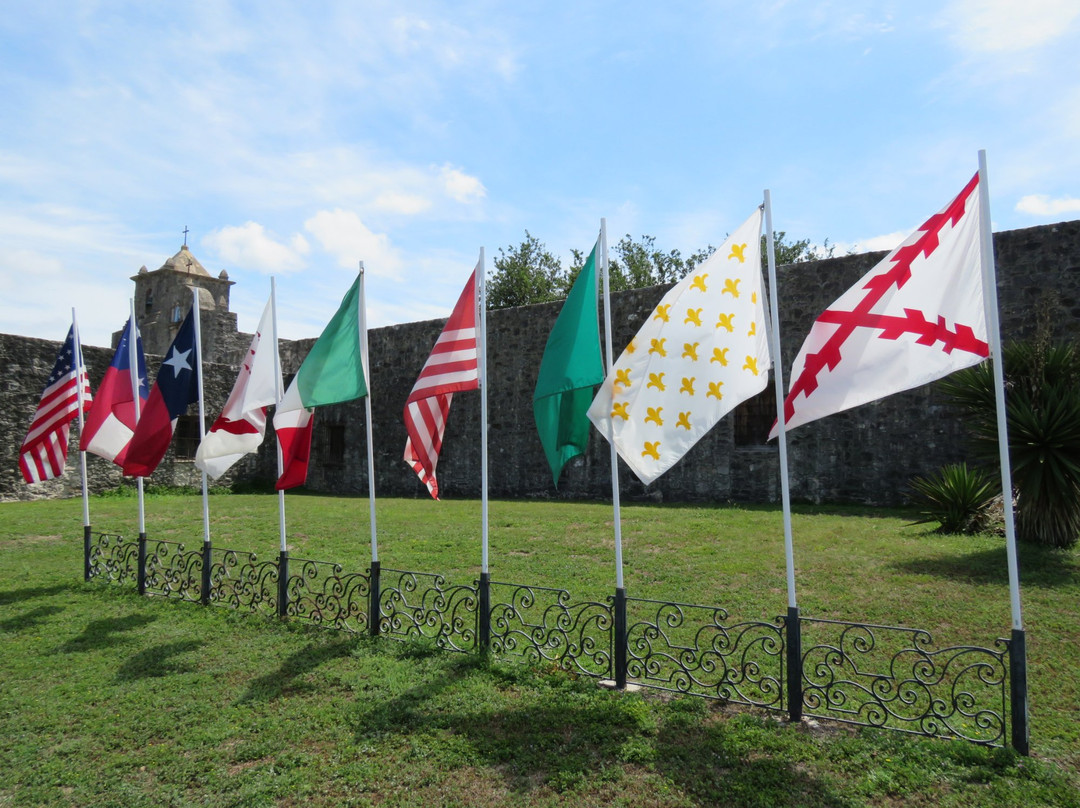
396	202
249	246
342	234
999	26
460	186
1043	205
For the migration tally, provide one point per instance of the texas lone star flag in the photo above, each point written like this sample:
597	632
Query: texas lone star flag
110	425
176	387
451	368
242	423
915	317
703	349
332	372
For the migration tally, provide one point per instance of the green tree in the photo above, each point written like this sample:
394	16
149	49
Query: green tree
525	274
795	252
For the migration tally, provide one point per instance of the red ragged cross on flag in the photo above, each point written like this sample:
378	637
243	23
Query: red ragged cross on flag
451	368
915	317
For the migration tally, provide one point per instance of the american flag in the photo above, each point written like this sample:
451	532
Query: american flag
44	451
452	367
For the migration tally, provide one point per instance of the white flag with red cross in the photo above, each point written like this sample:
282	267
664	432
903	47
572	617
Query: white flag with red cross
915	317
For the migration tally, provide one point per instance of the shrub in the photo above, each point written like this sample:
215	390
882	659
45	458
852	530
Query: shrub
955	496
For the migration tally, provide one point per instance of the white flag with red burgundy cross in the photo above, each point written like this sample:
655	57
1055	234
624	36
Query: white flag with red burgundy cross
915	317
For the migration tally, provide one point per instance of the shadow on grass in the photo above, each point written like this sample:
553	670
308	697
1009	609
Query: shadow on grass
105	633
583	736
289	678
29	593
1039	566
29	619
157	661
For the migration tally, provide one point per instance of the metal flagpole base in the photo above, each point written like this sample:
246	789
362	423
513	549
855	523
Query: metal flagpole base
619	638
483	633
86	552
794	664
283	584
373	600
1018	696
140	575
207	553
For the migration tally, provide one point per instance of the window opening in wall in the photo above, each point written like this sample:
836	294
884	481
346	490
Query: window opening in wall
149	301
177	314
186	440
755	417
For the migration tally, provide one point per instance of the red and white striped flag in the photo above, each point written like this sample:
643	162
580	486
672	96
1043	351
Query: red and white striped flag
44	450
451	368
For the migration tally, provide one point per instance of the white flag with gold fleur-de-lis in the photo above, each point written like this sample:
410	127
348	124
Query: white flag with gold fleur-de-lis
703	349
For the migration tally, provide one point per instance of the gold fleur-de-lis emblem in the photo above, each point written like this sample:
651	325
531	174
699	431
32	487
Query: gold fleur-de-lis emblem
684	421
751	365
737	251
652	449
719	355
656	380
622	376
693	316
618	410
731	287
726	321
632	346
688	385
699	282
714	390
655	415
753	297
662	312
689	351
753	329
657	346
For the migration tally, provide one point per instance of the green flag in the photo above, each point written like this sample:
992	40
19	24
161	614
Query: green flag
333	371
570	368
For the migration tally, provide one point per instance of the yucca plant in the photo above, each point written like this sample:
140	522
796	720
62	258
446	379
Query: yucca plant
1042	404
957	497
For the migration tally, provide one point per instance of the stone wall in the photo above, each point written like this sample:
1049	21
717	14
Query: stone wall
865	455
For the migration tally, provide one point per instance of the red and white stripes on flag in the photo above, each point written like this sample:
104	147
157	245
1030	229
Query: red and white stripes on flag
451	368
43	454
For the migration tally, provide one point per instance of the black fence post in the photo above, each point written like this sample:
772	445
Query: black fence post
86	552
483	631
794	664
619	638
1018	697
140	575
207	553
283	584
373	600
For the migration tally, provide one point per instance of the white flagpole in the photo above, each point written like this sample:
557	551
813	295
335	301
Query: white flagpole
481	302
1018	645
136	383
793	624
277	405
619	616
80	370
611	429
202	408
778	381
367	412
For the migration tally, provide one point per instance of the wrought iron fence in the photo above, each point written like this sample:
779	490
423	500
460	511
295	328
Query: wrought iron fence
891	677
858	673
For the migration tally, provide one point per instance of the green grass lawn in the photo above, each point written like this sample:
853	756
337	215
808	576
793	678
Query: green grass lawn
107	698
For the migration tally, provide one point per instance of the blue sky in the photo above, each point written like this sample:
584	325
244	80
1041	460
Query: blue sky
295	139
